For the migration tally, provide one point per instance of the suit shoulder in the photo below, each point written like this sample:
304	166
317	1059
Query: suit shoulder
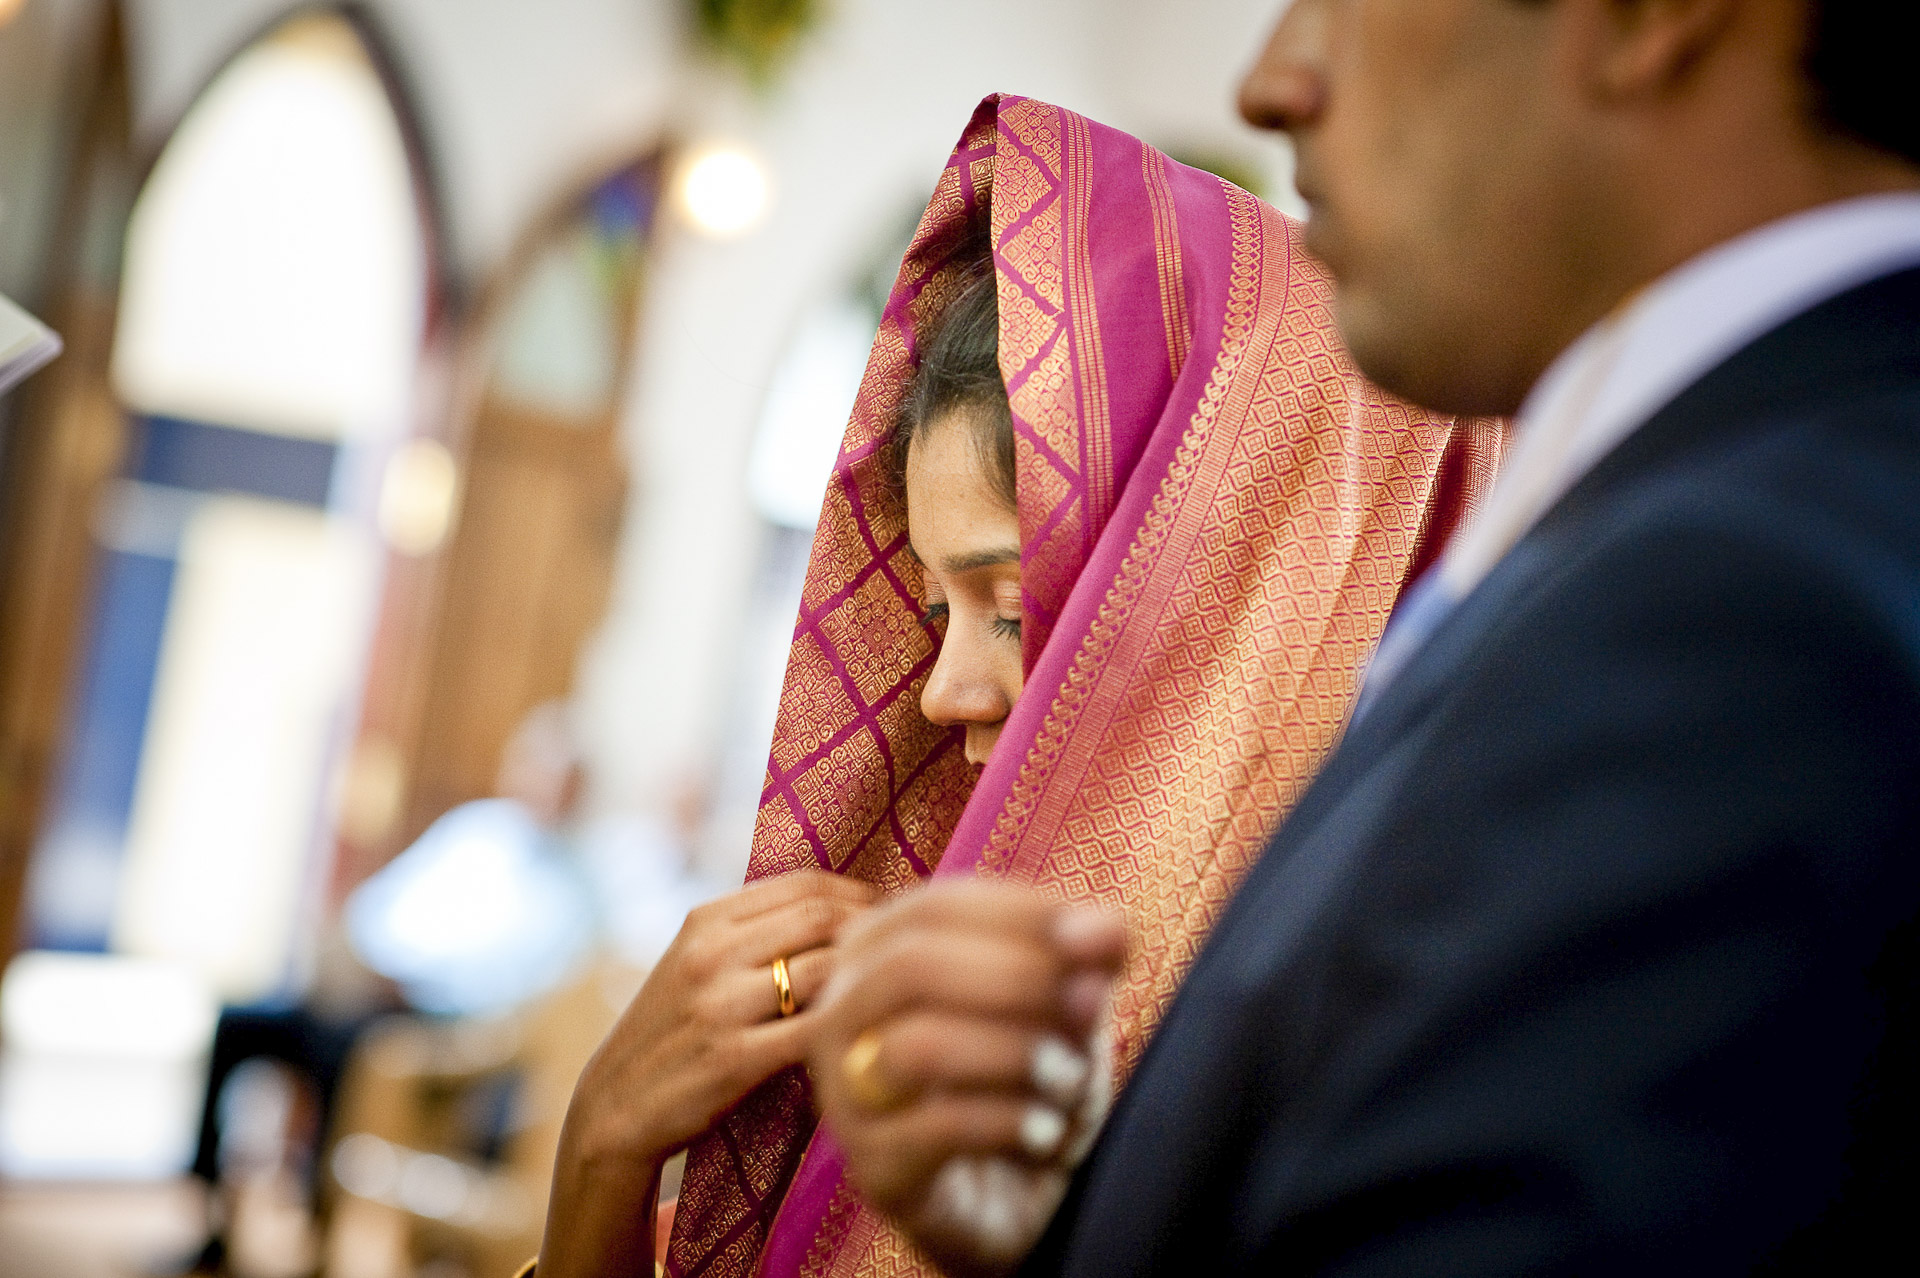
1816	504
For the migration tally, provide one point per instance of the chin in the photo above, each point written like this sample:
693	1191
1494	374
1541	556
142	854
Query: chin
1377	345
1420	363
1371	326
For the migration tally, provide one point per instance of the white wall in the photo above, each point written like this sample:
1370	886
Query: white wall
521	99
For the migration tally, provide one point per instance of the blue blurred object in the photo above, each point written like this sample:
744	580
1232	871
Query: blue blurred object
641	884
214	458
483	912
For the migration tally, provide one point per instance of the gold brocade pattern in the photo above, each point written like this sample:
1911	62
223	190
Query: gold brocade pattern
1266	611
1237	630
1209	672
842	1214
1166	244
858	781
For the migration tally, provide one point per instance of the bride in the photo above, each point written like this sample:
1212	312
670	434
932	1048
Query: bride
1114	527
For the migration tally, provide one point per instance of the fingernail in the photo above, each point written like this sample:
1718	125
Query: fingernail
1058	1072
1041	1129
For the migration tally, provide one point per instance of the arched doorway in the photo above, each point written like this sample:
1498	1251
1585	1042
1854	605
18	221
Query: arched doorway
522	582
524	577
273	300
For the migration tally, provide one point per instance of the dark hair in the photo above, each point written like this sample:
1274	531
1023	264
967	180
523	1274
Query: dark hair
1858	58
1855	62
959	372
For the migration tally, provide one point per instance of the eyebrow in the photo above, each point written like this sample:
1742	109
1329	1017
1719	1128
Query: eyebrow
978	559
982	559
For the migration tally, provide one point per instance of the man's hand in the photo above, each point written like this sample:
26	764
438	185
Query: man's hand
953	1054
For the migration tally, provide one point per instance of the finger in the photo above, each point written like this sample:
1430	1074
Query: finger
1091	935
980	905
924	1051
802	924
958	972
749	995
893	1156
765	1049
701	1085
808	973
1086	997
772	894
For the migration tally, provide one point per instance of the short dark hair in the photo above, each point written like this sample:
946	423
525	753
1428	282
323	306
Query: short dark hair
959	372
1859	57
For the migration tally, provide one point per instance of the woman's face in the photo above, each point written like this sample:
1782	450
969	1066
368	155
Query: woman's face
968	542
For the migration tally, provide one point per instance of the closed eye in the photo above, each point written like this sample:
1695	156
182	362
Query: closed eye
935	614
1007	627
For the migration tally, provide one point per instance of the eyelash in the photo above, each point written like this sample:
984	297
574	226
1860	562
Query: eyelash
1005	627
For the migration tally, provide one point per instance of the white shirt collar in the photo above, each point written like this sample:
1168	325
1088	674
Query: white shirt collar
1633	363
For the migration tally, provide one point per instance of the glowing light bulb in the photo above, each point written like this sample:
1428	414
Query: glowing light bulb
724	192
417	497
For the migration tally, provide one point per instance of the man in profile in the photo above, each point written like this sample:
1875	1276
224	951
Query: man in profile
1593	947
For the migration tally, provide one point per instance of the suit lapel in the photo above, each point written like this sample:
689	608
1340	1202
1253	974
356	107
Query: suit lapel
1852	344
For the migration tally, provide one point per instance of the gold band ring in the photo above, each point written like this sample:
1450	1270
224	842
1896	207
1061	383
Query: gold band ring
861	1067
783	987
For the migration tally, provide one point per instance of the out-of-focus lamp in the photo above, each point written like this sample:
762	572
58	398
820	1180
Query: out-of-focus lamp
724	191
10	9
417	497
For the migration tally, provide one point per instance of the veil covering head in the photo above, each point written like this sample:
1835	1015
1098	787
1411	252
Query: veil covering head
1216	514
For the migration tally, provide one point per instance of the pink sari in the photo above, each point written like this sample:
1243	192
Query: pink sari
1216	514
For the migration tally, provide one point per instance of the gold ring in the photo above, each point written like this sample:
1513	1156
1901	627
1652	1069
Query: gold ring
783	986
861	1067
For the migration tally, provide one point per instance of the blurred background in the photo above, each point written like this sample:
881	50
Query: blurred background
396	569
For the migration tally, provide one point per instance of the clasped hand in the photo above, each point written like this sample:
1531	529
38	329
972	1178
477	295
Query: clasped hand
705	1029
957	1057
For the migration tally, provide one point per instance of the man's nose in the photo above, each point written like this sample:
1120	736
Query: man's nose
960	688
1286	87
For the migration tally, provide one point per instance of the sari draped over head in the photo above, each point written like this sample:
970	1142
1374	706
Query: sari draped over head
1216	515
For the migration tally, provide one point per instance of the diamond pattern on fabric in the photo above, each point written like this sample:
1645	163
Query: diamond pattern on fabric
1197	612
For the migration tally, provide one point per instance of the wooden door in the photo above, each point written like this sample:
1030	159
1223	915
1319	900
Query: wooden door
524	577
65	439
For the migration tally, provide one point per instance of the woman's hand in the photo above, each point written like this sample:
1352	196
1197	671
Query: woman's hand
704	1030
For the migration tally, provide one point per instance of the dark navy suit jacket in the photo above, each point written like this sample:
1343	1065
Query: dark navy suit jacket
1592	949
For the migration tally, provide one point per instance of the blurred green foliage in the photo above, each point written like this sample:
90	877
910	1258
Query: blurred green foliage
1234	169
757	34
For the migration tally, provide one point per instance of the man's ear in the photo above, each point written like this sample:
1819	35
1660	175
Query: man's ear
1643	48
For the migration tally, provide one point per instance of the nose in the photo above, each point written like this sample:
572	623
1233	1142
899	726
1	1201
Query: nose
1286	87
961	688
